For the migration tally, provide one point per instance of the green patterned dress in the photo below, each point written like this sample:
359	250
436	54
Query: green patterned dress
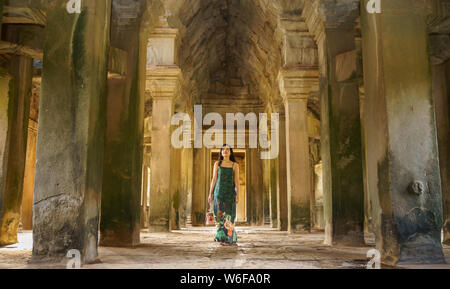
225	206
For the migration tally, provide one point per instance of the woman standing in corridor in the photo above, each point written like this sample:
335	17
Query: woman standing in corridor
224	194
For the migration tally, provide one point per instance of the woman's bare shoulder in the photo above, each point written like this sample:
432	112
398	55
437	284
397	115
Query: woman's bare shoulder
216	164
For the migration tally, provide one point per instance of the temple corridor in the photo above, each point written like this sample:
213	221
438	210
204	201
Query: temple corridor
113	114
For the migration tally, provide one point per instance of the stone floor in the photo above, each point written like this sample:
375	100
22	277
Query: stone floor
192	248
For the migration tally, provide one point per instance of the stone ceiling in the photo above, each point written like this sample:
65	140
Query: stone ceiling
230	48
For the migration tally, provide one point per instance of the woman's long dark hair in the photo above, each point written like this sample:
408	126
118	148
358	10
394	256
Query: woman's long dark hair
231	154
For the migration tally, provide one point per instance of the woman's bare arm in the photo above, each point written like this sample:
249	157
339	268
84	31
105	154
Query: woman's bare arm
213	181
236	181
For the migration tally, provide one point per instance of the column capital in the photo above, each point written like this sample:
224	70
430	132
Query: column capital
299	82
321	15
298	43
164	82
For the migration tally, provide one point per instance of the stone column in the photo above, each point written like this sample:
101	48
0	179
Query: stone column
403	166
186	183
14	113
295	86
122	170
440	94
2	3
341	138
439	47
123	159
71	131
266	179
163	83
282	195
28	179
255	215
297	78
146	168
273	192
144	197
200	188
333	26
161	161
175	190
442	86
266	190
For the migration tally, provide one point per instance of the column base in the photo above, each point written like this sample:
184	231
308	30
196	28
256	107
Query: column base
282	227
446	232
9	228
158	228
113	239
350	240
299	229
422	251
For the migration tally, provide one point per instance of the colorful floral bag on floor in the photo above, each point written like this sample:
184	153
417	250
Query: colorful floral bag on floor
209	218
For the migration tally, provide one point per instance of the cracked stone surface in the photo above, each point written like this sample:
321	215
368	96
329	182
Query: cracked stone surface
258	248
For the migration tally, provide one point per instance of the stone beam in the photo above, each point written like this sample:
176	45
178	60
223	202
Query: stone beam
14	48
24	15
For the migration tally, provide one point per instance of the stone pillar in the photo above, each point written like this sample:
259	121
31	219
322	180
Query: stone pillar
28	179
297	78
146	169
440	94
161	161
14	113
200	188
266	190
71	129
144	195
403	166
439	47
295	86
123	159
273	192
186	183
255	215
163	82
2	3
266	181
122	170
282	195
368	228
175	190
333	26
